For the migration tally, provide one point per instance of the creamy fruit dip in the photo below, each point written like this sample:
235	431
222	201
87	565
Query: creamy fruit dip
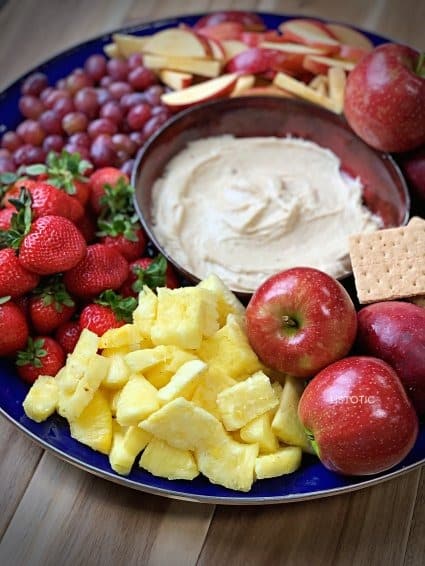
247	208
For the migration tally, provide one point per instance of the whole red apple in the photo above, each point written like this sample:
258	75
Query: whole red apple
395	332
300	320
358	416
385	98
413	167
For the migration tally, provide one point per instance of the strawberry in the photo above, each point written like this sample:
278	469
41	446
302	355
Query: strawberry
67	335
87	226
42	356
110	310
104	176
45	199
129	239
15	280
67	172
13	327
102	268
5	218
47	245
51	306
153	272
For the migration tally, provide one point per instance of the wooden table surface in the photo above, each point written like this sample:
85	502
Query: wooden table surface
53	513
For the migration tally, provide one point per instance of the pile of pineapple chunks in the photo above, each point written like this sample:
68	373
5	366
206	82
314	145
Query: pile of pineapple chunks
182	386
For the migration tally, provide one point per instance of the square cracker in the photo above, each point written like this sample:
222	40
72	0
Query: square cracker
389	264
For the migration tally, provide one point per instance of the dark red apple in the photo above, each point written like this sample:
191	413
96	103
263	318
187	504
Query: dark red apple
300	320
395	332
413	167
358	416
385	98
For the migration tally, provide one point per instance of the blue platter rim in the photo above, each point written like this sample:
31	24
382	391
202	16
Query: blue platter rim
311	481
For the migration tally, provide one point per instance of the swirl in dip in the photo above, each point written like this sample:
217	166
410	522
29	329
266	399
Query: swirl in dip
246	208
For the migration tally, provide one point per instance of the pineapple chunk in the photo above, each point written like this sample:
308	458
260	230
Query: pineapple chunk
145	313
210	385
246	400
126	335
184	316
227	302
118	373
278	389
137	400
184	425
229	352
284	461
165	461
76	363
259	431
229	464
286	425
42	399
140	360
73	402
161	373
121	351
127	443
183	382
93	426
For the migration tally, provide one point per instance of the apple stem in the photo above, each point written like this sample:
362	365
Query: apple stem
288	321
420	67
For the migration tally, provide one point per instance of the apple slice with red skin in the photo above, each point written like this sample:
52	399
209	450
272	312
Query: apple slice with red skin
309	32
395	332
233	47
351	53
175	79
300	320
358	417
385	98
248	20
257	60
350	36
208	90
319	65
179	42
244	82
225	30
268	90
217	50
202	67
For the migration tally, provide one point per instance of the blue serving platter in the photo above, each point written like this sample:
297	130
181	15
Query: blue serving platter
310	481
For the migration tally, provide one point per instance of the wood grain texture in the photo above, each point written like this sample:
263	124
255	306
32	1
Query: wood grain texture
53	513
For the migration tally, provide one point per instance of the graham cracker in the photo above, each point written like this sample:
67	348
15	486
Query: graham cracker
389	264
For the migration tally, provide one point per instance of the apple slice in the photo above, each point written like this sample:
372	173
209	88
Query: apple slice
202	67
217	49
175	79
179	42
319	65
337	80
111	50
128	44
351	53
300	89
258	60
243	83
249	20
320	83
350	36
293	48
225	30
233	47
208	90
309	32
268	90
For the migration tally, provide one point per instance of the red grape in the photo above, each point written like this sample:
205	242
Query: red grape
141	78
131	99
53	96
153	124
45	93
122	157
138	116
95	67
138	138
28	154
112	110
134	60
103	95
31	132
34	84
75	122
106	81
51	122
86	101
101	126
11	141
54	142
117	69
122	142
30	106
77	80
153	95
127	167
119	89
63	106
80	139
7	165
5	152
102	151
83	151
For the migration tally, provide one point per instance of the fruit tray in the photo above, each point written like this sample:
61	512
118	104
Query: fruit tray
312	480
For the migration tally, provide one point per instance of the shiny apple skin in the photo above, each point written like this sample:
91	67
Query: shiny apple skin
385	99
325	316
395	332
413	167
359	415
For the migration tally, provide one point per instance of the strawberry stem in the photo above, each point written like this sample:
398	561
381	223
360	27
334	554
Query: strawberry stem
53	292
32	354
153	276
122	307
20	223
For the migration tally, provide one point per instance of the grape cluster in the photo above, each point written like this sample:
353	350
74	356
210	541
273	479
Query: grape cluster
105	111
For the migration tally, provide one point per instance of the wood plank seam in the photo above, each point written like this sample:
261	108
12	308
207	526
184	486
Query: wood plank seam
414	503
